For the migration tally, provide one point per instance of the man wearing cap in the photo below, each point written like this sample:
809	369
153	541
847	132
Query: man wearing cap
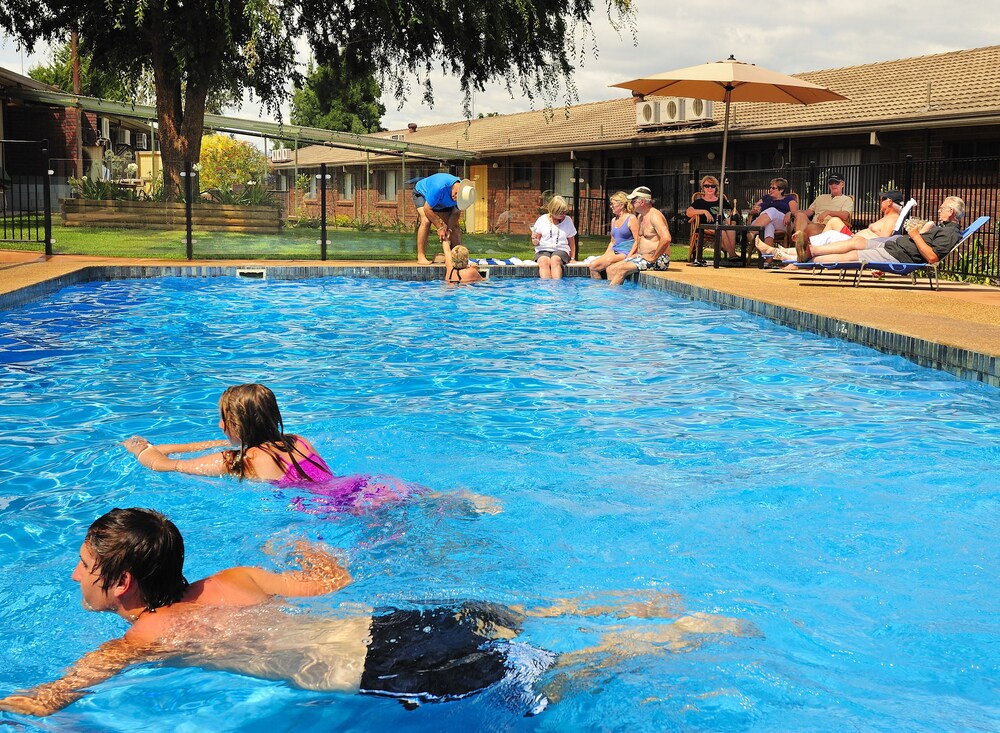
835	238
813	220
651	250
440	199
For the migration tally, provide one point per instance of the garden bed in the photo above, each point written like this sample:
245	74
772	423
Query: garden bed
160	215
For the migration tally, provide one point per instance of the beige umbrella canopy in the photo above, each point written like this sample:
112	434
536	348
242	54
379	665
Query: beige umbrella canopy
731	81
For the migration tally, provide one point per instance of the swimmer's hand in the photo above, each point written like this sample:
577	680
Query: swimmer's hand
24	705
321	572
136	445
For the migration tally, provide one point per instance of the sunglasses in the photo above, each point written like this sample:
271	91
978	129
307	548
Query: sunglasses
774	188
709	185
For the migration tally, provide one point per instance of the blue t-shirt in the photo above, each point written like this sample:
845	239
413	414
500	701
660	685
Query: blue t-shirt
436	190
770	202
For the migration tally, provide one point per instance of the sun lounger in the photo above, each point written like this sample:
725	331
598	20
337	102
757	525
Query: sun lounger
912	268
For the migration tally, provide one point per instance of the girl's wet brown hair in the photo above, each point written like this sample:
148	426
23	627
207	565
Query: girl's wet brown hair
250	411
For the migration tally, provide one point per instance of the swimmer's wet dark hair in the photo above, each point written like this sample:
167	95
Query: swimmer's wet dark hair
145	544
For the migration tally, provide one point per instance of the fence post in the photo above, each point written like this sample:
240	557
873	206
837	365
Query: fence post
322	211
47	197
188	195
812	181
908	177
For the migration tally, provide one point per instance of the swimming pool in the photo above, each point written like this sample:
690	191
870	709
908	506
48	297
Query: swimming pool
842	501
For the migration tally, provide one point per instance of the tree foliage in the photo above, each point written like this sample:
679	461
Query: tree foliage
228	163
333	98
238	46
95	80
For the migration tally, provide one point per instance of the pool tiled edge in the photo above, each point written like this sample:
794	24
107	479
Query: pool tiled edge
963	363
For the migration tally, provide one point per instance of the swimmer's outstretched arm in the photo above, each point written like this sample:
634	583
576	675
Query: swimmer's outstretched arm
156	457
101	664
321	573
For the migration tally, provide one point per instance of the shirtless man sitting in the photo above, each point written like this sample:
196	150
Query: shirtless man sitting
131	563
651	250
890	204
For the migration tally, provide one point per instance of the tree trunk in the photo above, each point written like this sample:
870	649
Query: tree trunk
180	113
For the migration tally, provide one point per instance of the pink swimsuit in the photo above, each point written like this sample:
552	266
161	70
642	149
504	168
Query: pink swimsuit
341	494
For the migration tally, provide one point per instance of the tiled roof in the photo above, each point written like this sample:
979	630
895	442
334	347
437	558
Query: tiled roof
937	89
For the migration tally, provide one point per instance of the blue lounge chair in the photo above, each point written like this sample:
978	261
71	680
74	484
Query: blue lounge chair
912	268
846	267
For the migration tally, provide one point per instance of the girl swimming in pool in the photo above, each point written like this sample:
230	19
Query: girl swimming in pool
250	418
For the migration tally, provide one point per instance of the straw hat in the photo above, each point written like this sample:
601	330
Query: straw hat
466	194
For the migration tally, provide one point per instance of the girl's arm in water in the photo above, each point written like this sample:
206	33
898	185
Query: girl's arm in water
156	458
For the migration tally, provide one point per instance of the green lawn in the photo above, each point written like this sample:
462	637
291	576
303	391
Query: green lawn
290	244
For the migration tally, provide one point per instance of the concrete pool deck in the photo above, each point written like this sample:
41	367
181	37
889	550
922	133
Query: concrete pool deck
956	328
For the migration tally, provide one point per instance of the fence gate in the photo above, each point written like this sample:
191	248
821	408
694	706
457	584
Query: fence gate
25	196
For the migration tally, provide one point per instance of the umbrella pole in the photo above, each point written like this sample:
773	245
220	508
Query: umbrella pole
725	152
717	257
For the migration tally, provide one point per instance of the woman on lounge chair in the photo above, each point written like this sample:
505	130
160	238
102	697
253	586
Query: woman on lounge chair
624	232
774	207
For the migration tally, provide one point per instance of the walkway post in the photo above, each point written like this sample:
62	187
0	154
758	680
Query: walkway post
322	210
47	197
188	195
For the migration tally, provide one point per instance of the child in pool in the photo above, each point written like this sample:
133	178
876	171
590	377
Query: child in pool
250	418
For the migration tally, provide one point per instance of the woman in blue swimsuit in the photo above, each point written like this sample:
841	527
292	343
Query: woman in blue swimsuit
624	232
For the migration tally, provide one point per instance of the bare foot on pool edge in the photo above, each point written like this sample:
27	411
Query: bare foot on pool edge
424	261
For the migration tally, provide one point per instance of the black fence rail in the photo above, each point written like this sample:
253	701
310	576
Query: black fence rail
25	195
975	180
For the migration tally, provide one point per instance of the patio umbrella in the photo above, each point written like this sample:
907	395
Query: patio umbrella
731	81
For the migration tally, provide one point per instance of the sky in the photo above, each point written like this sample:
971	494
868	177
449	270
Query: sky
792	37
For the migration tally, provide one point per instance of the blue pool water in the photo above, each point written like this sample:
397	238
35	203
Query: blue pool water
841	501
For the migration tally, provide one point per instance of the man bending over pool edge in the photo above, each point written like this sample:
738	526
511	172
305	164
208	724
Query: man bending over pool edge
131	563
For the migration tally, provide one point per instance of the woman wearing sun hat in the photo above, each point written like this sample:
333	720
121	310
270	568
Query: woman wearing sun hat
439	200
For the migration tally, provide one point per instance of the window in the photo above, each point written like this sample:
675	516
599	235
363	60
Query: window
346	186
972	156
386	183
619	167
558	178
521	174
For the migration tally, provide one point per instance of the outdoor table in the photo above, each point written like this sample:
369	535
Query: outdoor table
744	241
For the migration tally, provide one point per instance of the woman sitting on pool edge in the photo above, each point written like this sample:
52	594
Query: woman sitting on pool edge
250	418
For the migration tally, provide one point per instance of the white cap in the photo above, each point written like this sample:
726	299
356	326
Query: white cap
640	193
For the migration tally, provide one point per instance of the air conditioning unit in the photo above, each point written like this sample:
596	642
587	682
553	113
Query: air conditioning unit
123	137
141	141
699	109
105	128
672	110
647	114
281	155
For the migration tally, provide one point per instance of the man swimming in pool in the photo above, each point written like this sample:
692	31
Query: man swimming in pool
131	563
